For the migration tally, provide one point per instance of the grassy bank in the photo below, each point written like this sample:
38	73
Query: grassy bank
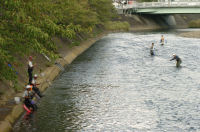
195	24
28	28
117	25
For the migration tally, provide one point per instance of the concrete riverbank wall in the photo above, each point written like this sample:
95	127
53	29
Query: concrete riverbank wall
140	22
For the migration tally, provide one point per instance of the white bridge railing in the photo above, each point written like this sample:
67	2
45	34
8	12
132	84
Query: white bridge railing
159	4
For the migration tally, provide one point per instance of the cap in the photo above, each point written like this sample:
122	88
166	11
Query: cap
174	54
28	86
35	75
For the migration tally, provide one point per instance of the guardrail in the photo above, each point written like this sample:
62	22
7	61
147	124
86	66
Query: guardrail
159	4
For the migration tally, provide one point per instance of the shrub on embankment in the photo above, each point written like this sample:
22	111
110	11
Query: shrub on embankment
28	26
195	24
117	25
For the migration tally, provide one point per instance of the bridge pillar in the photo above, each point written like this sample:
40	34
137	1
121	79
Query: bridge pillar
170	20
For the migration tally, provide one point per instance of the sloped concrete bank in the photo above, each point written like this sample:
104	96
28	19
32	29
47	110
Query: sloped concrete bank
194	34
48	76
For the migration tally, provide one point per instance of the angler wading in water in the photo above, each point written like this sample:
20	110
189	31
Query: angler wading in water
152	49
35	88
162	40
178	60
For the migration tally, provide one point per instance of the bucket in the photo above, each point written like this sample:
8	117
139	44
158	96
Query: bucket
17	100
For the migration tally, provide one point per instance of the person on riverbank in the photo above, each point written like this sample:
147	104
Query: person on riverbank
162	40
152	49
34	84
28	97
30	68
178	60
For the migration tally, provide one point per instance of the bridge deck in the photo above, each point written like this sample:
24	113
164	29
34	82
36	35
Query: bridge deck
166	10
163	8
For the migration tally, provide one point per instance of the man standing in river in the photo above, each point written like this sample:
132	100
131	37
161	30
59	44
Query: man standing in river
162	40
178	60
152	49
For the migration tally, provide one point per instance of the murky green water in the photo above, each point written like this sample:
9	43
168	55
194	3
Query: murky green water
117	86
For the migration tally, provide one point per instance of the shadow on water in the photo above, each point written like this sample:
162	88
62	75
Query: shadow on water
26	122
118	86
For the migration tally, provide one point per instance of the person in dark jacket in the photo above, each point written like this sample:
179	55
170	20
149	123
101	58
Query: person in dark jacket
30	68
178	60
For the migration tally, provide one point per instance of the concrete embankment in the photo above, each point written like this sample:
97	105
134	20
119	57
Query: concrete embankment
152	22
139	22
194	34
48	76
183	21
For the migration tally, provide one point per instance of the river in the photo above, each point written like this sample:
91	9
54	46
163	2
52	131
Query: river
117	86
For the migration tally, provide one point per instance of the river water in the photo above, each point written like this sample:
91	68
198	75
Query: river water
117	86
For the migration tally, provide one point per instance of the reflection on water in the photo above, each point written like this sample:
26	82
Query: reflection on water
117	86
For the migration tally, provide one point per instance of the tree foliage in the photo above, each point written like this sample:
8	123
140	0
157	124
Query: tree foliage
29	25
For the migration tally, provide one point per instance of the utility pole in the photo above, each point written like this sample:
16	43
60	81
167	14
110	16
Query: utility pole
169	2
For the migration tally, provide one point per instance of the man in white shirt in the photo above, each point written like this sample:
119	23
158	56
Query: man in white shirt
34	84
152	49
30	69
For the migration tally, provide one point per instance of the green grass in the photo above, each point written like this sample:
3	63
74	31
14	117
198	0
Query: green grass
117	26
1	93
48	64
18	88
29	25
195	24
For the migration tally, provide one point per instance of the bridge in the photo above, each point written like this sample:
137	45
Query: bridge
181	7
164	10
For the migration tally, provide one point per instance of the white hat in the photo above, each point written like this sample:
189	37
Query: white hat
35	75
28	86
174	54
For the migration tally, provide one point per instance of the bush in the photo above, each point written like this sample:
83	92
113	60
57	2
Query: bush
29	25
117	25
195	24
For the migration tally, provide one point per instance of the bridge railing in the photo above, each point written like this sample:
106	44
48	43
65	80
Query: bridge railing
161	4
